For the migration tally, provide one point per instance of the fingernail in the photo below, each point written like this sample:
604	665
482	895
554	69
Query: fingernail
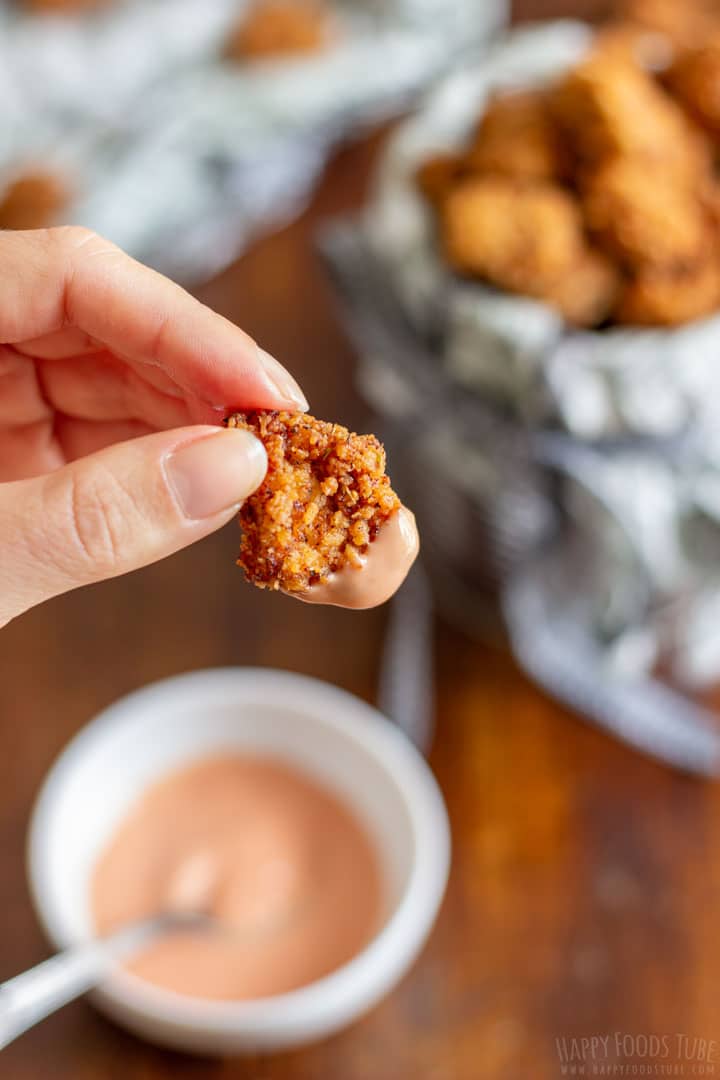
282	381
216	473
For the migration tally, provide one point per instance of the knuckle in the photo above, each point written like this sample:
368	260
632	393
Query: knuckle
100	514
72	237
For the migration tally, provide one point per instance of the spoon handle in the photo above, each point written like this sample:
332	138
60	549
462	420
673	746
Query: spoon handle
33	995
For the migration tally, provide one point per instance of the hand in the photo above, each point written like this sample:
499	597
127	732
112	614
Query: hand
103	365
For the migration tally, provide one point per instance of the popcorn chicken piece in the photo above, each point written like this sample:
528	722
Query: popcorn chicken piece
517	138
695	81
64	7
279	28
516	237
645	217
631	43
608	107
586	295
661	298
32	201
437	175
684	23
324	499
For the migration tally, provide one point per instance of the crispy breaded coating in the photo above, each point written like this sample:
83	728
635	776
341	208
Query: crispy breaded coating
645	217
586	295
632	43
659	298
608	107
437	175
32	201
685	23
323	500
695	81
517	237
279	28
64	7
517	138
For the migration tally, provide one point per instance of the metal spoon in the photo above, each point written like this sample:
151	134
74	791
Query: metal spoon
30	997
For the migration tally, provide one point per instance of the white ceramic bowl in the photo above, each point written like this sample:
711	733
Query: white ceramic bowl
331	735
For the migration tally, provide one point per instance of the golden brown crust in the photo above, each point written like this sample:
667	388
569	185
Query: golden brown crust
517	138
586	295
596	195
437	175
685	23
608	107
323	500
670	299
279	28
517	237
62	7
32	201
695	81
645	218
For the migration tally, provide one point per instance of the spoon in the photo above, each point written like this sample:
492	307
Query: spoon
30	997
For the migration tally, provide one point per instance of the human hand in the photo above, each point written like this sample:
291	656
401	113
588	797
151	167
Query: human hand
110	379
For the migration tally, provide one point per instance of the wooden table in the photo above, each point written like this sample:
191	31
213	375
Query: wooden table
584	892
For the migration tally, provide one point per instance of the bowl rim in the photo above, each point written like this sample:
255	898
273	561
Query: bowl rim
359	982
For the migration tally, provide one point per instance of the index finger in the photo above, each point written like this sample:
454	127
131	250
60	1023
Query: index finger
56	278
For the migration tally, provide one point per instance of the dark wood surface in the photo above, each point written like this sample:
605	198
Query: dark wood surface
585	884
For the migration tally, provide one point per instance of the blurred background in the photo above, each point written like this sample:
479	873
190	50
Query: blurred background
558	653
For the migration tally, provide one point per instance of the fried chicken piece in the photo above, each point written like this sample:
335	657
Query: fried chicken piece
658	298
517	138
635	44
695	81
437	175
644	216
516	237
279	28
528	240
586	295
608	107
64	7
323	501
684	23
32	201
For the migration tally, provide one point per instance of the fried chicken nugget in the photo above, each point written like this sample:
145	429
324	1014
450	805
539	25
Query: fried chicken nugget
644	217
586	295
639	45
437	176
517	237
528	240
695	81
64	7
684	23
324	499
279	28
660	298
32	201
608	107
517	138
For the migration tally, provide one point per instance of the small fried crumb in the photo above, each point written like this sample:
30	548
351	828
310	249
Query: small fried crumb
323	501
279	28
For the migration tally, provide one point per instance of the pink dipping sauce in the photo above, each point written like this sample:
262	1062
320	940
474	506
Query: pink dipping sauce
274	855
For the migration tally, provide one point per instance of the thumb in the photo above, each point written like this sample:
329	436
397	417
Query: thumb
119	509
